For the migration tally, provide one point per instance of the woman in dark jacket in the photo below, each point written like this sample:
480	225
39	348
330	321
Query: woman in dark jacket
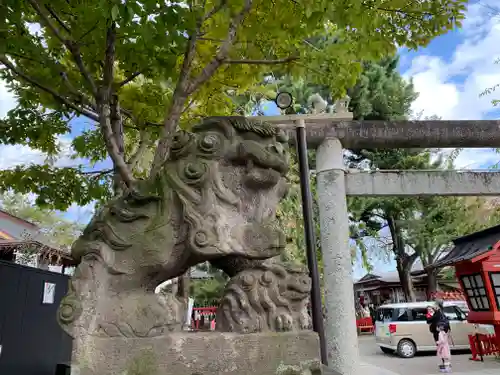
436	316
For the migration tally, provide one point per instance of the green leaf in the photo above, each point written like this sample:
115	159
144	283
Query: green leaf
115	12
31	125
56	188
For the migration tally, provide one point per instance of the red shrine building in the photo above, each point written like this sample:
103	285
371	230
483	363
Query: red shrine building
476	258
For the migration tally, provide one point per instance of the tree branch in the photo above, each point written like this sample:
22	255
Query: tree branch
97	173
262	62
189	105
223	52
179	97
112	148
80	97
109	60
88	31
57	18
117	128
134	119
70	45
110	116
117	124
22	57
186	85
214	10
129	79
91	115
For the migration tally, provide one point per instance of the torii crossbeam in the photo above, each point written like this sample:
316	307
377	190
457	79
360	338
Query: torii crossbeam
329	134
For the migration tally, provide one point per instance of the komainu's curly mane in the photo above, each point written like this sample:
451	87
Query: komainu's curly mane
267	297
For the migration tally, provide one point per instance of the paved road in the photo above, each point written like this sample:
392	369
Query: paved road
423	363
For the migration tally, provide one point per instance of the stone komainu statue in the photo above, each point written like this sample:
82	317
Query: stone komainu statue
214	200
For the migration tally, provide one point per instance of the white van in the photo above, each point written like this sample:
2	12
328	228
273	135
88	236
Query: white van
403	328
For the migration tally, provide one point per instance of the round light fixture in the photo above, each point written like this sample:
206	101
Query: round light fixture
284	100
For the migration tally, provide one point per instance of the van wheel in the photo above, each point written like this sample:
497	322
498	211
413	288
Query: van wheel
387	350
406	349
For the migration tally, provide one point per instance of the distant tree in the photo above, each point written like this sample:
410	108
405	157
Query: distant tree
439	220
207	292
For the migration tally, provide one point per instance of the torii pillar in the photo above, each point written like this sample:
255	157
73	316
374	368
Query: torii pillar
340	327
329	136
334	183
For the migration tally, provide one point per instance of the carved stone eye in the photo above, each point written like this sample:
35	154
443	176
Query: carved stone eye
276	148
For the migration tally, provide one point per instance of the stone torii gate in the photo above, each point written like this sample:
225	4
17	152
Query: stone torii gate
329	134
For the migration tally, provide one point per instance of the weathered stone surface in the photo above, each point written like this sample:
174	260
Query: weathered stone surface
403	134
340	325
214	200
422	183
267	297
208	353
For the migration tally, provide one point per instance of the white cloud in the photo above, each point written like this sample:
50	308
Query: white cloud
7	100
472	64
81	214
477	159
13	155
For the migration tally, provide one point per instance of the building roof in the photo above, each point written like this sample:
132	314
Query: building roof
385	277
53	255
470	246
391	276
23	222
32	240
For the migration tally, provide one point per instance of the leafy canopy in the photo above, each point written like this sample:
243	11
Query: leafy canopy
140	69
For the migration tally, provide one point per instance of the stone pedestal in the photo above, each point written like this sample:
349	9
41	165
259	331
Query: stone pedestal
209	353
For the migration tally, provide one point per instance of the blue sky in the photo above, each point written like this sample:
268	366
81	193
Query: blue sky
449	74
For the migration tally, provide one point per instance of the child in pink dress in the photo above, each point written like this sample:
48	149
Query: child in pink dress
443	349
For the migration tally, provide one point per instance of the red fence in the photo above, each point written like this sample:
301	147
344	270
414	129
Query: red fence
365	325
204	318
447	296
203	315
483	345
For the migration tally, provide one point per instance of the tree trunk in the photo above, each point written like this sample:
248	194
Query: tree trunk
404	272
431	282
404	261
